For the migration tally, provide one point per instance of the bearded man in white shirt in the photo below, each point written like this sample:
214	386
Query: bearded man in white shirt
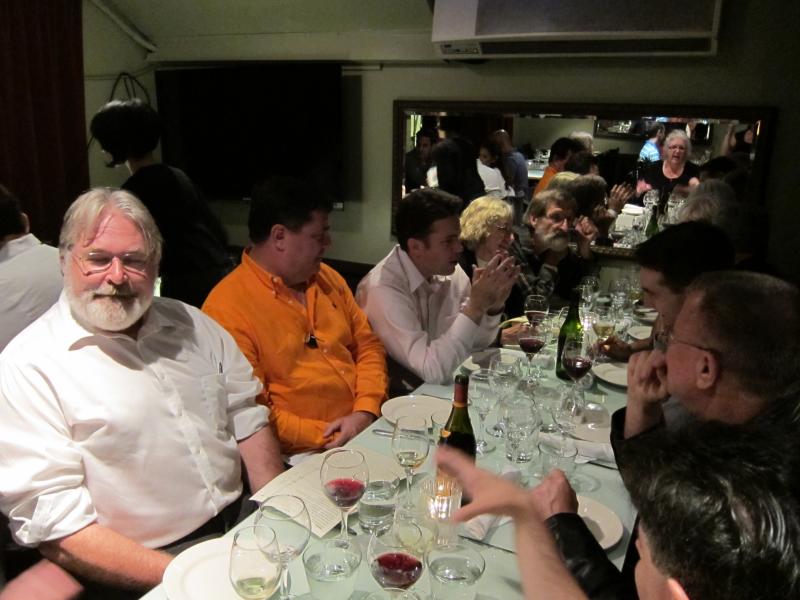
124	419
419	301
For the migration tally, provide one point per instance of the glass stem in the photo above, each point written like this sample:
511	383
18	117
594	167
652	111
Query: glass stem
409	475
482	430
344	524
284	580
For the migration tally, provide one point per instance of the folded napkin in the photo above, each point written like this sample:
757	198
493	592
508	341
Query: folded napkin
478	527
586	450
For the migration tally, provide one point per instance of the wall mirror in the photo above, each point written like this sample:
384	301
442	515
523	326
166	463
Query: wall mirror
618	131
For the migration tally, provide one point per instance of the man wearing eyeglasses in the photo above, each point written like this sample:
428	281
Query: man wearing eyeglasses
549	266
124	419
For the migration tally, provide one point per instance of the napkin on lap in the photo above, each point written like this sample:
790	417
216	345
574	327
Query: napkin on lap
590	450
478	527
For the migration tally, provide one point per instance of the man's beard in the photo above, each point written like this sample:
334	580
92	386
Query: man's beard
108	307
556	241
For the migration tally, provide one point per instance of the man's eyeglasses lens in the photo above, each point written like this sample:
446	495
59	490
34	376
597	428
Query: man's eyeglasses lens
96	262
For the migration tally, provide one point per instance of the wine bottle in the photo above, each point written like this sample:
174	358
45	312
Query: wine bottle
457	432
652	223
571	329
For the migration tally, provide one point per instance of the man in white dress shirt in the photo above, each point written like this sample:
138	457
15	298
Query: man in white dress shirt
124	419
420	302
29	273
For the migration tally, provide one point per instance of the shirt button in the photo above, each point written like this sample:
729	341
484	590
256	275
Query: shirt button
325	350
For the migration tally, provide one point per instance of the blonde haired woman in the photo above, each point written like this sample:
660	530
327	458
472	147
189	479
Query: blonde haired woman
486	230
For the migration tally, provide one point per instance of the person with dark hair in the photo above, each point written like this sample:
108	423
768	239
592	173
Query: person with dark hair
651	151
675	173
548	266
418	161
297	322
128	423
420	302
455	169
717	168
195	244
30	276
490	170
582	163
516	170
719	516
560	152
669	261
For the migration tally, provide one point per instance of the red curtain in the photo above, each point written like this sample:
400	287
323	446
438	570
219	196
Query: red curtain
42	123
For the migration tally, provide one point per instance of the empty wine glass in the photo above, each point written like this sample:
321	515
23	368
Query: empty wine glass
522	428
531	341
396	556
288	517
410	445
344	475
255	567
536	309
483	400
504	378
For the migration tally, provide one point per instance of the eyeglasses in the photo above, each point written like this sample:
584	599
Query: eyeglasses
99	262
677	148
504	229
559	217
667	338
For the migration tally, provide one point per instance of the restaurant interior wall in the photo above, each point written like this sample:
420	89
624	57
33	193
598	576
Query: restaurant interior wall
755	66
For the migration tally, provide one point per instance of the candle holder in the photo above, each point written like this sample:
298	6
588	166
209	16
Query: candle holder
441	497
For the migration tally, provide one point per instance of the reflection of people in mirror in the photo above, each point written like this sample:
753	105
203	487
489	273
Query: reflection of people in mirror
674	172
418	161
741	142
651	151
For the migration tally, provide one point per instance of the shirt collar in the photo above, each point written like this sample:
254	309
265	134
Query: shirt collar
273	282
18	245
415	279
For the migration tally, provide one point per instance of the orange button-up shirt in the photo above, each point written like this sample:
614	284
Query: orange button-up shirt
306	387
549	173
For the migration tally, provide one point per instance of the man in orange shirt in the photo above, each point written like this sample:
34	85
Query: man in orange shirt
295	319
560	152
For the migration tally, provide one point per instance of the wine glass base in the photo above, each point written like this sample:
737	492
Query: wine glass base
583	484
484	447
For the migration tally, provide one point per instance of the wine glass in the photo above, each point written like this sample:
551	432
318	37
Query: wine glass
522	428
410	445
255	567
532	339
577	358
483	399
603	325
536	309
288	517
344	475
590	286
396	556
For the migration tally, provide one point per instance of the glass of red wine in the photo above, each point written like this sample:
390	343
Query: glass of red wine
531	340
396	556
577	358
536	309
344	475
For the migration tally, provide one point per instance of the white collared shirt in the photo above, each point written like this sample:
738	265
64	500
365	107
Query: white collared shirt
420	322
30	282
139	435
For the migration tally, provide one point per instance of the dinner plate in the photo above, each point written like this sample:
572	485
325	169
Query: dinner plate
601	521
592	432
413	405
615	373
640	332
482	359
645	315
201	572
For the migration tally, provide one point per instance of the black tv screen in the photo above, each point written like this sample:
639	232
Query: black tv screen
229	127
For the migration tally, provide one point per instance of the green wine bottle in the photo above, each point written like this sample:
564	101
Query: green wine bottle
652	224
457	432
571	329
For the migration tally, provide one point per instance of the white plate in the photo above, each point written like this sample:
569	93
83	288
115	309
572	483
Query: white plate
592	432
601	521
612	372
484	356
201	572
645	315
640	332
413	405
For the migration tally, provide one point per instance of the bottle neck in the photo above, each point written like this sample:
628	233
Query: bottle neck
460	396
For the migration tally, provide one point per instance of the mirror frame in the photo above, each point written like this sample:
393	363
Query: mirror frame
758	175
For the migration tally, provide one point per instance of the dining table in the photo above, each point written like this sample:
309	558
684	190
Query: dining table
501	579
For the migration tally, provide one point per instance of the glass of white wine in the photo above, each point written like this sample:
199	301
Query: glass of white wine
603	325
410	446
255	567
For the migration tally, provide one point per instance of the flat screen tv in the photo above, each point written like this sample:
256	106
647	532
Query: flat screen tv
228	127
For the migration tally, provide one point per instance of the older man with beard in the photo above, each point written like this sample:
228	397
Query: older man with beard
124	419
549	267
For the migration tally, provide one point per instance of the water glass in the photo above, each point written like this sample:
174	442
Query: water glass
441	497
393	594
439	420
331	569
522	428
482	398
454	570
558	456
377	505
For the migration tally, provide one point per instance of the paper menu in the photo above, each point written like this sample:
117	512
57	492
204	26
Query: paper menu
303	481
